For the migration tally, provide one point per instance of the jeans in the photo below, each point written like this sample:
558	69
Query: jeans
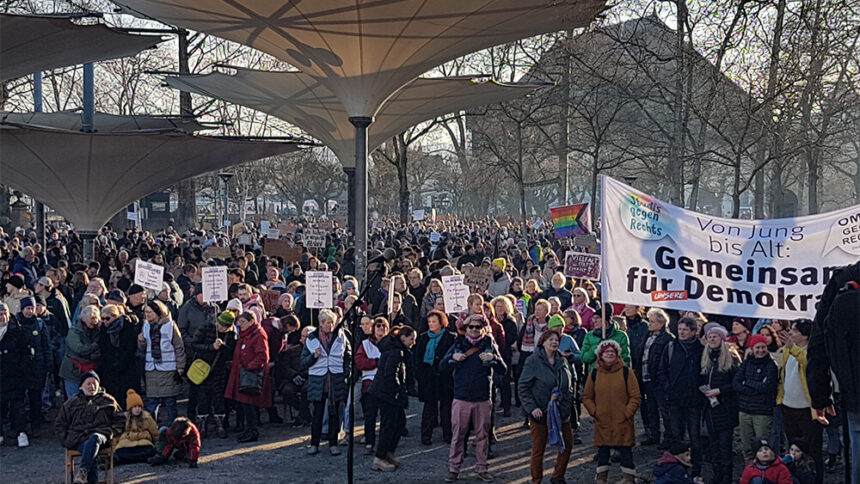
89	449
721	454
539	433
685	420
149	405
624	453
392	420
854	433
753	427
463	412
71	388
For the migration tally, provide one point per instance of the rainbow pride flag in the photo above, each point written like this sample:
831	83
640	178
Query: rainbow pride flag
570	220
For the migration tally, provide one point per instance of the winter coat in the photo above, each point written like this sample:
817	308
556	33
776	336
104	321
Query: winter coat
539	378
776	473
26	269
612	404
164	383
500	283
189	442
800	474
14	302
562	294
251	353
409	309
389	384
117	365
337	382
82	416
13	356
637	333
669	470
82	352
40	356
595	336
655	354
433	382
59	308
678	372
724	416
191	317
472	377
138	433
755	383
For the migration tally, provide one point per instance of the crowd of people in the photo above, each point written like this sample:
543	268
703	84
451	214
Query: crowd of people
78	337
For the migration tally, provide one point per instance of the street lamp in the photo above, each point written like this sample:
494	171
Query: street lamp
225	177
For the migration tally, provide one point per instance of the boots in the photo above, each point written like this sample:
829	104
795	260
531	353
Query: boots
382	465
201	425
80	476
389	457
220	431
602	475
628	478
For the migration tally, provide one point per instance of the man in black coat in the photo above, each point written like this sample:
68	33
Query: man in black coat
647	354
13	350
39	359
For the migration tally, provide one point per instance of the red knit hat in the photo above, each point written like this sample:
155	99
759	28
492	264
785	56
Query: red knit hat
756	339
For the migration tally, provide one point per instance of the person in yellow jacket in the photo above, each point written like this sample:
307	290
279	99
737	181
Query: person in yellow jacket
137	441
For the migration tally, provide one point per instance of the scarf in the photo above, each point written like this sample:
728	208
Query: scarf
155	338
430	351
532	329
113	330
3	331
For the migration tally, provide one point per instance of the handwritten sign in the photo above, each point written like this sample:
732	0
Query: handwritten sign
455	293
418	215
319	289
435	237
273	234
214	282
215	252
270	299
150	276
582	266
478	278
314	238
237	229
286	228
282	249
245	239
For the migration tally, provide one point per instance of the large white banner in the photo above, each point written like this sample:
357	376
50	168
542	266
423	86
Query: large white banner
656	254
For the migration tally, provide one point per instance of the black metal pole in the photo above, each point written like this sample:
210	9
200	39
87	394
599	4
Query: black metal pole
350	318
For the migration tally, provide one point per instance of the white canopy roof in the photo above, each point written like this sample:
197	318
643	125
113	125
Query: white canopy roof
302	100
31	44
88	177
71	121
364	51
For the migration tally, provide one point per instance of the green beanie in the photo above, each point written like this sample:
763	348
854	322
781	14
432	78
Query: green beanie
555	321
226	318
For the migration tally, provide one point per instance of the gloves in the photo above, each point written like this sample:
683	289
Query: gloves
192	464
157	460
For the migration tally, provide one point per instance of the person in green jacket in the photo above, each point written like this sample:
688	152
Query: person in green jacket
595	336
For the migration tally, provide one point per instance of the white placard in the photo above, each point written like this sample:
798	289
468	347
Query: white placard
245	239
418	215
273	234
319	289
265	225
435	237
314	238
214	282
455	292
537	224
390	295
150	276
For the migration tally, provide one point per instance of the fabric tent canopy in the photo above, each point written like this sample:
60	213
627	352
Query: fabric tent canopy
365	51
301	100
89	177
71	121
31	44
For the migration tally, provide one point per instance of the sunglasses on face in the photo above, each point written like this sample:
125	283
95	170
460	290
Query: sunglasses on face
472	326
380	325
105	319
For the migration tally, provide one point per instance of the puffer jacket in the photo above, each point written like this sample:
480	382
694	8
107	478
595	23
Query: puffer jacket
655	354
117	363
637	333
138	432
472	377
725	415
538	379
82	348
669	470
82	416
389	384
40	357
13	353
192	316
595	337
776	473
755	383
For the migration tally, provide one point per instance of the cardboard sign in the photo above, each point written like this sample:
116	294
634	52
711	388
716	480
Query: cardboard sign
282	249
582	266
150	276
586	241
325	225
286	228
270	299
237	229
273	234
214	282
319	290
314	238
215	252
478	278
455	293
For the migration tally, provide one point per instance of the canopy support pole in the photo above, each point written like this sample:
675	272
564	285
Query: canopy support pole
350	198
39	219
361	123
88	238
89	99
37	92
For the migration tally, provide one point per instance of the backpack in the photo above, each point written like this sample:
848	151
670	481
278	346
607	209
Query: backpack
842	337
624	370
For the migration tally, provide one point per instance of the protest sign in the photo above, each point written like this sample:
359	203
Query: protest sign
455	293
478	278
435	237
273	233
657	254
246	239
537	223
521	306
214	282
150	276
314	238
582	266
282	249
270	299
237	229
418	215
265	225
285	228
215	252
319	289
390	302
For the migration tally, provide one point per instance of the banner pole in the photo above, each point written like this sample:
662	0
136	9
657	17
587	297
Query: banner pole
602	255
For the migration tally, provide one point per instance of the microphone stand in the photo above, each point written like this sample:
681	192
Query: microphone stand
350	318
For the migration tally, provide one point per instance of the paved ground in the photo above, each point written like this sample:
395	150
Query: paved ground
279	457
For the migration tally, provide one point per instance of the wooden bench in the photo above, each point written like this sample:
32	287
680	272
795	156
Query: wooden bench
106	476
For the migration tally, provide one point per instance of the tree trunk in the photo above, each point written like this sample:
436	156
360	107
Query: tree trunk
675	165
186	209
401	151
564	127
806	101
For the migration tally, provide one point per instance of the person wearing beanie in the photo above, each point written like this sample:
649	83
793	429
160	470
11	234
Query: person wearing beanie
740	335
611	396
672	467
137	300
603	331
15	291
755	383
181	441
234	306
116	296
87	421
136	444
500	282
719	365
765	467
800	464
566	345
39	360
214	344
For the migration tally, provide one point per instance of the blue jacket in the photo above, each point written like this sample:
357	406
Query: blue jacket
755	383
472	378
26	269
669	470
